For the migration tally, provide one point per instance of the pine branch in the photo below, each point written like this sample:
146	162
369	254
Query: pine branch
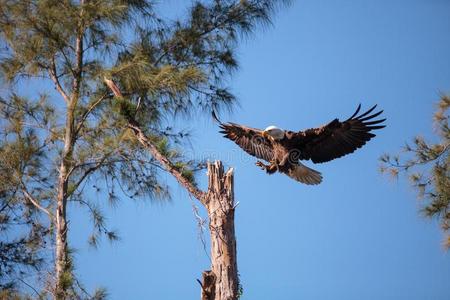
165	162
418	162
87	112
86	173
95	213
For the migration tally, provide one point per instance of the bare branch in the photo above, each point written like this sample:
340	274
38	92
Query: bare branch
36	203
114	88
165	162
30	286
87	112
55	78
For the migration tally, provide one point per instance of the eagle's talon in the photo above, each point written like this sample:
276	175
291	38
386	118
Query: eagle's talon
261	165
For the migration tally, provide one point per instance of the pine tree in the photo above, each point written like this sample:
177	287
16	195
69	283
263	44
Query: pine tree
63	129
427	164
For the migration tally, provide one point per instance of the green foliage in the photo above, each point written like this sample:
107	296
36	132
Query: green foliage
100	294
186	170
428	166
124	107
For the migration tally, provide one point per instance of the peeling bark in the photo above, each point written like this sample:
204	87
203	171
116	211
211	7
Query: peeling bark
220	206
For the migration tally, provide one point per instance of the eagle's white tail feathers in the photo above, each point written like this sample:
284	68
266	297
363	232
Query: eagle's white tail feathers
305	175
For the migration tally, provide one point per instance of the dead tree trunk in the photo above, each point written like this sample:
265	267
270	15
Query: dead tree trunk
221	282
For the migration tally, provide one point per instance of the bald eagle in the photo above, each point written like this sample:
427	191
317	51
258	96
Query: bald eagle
284	149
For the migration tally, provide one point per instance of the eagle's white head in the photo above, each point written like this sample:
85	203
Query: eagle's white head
275	132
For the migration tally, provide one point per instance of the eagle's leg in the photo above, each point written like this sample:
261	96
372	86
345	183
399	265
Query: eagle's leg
270	169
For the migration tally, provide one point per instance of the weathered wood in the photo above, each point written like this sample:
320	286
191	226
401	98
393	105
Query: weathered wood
219	202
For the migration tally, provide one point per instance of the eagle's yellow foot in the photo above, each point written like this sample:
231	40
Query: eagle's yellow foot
261	165
270	169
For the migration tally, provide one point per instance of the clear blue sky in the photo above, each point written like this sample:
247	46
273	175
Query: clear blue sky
356	236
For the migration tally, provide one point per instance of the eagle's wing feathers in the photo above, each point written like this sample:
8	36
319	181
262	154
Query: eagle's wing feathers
337	138
249	139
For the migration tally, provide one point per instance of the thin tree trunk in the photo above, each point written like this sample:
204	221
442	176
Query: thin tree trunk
221	282
61	242
62	268
62	260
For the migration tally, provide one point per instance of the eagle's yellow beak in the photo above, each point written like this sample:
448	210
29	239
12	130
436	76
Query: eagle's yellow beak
265	134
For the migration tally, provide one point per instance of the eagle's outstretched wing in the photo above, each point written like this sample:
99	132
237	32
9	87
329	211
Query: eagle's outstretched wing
337	138
249	139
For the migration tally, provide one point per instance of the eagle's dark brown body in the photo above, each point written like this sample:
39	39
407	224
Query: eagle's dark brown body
281	161
319	145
